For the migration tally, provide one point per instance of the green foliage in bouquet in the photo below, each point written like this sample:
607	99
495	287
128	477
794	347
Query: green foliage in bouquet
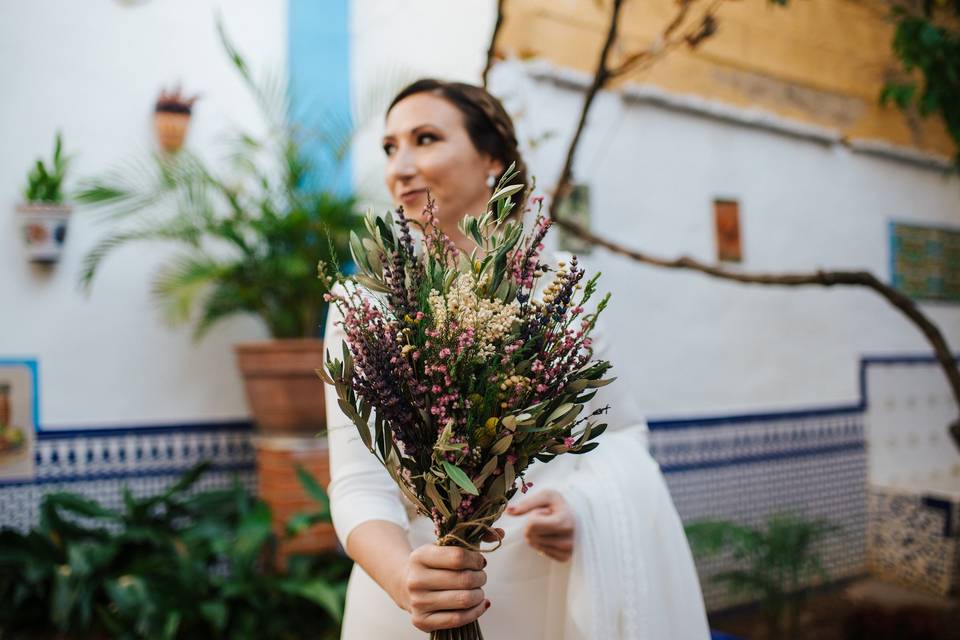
45	184
180	564
250	236
779	562
465	374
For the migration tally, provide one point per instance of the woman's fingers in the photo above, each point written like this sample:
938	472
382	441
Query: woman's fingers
453	558
562	543
443	579
494	536
554	524
454	600
540	499
449	619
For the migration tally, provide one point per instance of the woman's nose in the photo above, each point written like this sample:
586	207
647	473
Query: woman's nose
403	165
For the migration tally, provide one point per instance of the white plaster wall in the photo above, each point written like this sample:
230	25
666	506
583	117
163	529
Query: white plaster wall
910	404
686	344
93	70
394	43
689	344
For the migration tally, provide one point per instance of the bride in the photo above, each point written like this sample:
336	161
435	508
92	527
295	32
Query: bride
595	551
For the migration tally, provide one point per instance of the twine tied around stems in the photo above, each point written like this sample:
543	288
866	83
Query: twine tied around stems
482	523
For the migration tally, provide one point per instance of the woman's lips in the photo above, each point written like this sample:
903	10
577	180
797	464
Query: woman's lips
409	197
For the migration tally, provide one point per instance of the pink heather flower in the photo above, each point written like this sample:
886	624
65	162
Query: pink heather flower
419	315
568	441
536	199
436	389
525	486
445	352
541	388
511	459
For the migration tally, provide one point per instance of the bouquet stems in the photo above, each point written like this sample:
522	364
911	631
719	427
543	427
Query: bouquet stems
467	632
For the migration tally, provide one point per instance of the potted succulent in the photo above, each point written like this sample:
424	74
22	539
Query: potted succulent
171	118
251	232
44	212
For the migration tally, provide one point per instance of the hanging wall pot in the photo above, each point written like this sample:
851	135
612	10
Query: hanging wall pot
44	214
171	119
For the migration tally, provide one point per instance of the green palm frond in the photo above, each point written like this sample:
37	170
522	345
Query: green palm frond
773	563
180	284
251	230
227	298
177	231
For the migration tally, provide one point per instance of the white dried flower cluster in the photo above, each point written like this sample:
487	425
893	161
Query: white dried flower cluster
490	320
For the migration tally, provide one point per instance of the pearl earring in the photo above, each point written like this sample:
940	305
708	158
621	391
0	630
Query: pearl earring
491	180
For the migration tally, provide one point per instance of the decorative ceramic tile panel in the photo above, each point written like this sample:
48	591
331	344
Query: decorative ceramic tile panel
746	468
913	540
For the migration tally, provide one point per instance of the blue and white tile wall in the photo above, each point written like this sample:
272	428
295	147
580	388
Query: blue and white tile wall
743	468
99	462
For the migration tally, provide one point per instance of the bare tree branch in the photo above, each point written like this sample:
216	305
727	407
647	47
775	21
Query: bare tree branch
600	78
821	278
492	49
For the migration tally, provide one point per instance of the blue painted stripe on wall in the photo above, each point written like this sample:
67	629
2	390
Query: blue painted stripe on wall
319	75
746	418
655	424
765	457
146	430
242	467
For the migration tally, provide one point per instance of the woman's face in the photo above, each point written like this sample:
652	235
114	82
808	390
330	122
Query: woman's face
428	147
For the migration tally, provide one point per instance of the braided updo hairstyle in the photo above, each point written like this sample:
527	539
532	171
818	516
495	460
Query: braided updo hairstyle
486	121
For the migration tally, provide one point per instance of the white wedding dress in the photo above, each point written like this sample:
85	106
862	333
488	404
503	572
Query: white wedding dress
631	576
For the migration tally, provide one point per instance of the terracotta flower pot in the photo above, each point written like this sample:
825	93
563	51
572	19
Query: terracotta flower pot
171	129
284	392
44	229
278	486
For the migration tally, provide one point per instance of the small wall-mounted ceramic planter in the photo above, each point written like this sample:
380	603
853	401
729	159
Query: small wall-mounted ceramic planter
171	129
44	230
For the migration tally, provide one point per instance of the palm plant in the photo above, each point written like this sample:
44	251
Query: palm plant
250	237
776	563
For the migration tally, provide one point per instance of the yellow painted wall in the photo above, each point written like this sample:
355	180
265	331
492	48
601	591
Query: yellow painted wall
820	62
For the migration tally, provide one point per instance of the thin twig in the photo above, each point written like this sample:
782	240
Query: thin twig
820	278
599	80
492	49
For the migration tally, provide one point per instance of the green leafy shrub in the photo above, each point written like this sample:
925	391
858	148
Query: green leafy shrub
777	563
174	565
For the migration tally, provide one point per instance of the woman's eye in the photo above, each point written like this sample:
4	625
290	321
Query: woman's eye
389	148
426	138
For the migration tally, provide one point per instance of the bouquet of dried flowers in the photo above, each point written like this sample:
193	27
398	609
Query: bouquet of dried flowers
455	373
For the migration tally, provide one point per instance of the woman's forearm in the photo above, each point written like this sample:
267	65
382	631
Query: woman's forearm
382	549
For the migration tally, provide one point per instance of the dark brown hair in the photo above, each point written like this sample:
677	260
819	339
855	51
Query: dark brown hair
487	122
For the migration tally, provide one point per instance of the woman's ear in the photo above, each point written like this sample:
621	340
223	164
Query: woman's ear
495	166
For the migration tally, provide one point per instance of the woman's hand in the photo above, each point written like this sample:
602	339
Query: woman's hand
441	587
551	525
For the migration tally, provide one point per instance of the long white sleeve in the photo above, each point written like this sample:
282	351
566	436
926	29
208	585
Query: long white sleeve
360	488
